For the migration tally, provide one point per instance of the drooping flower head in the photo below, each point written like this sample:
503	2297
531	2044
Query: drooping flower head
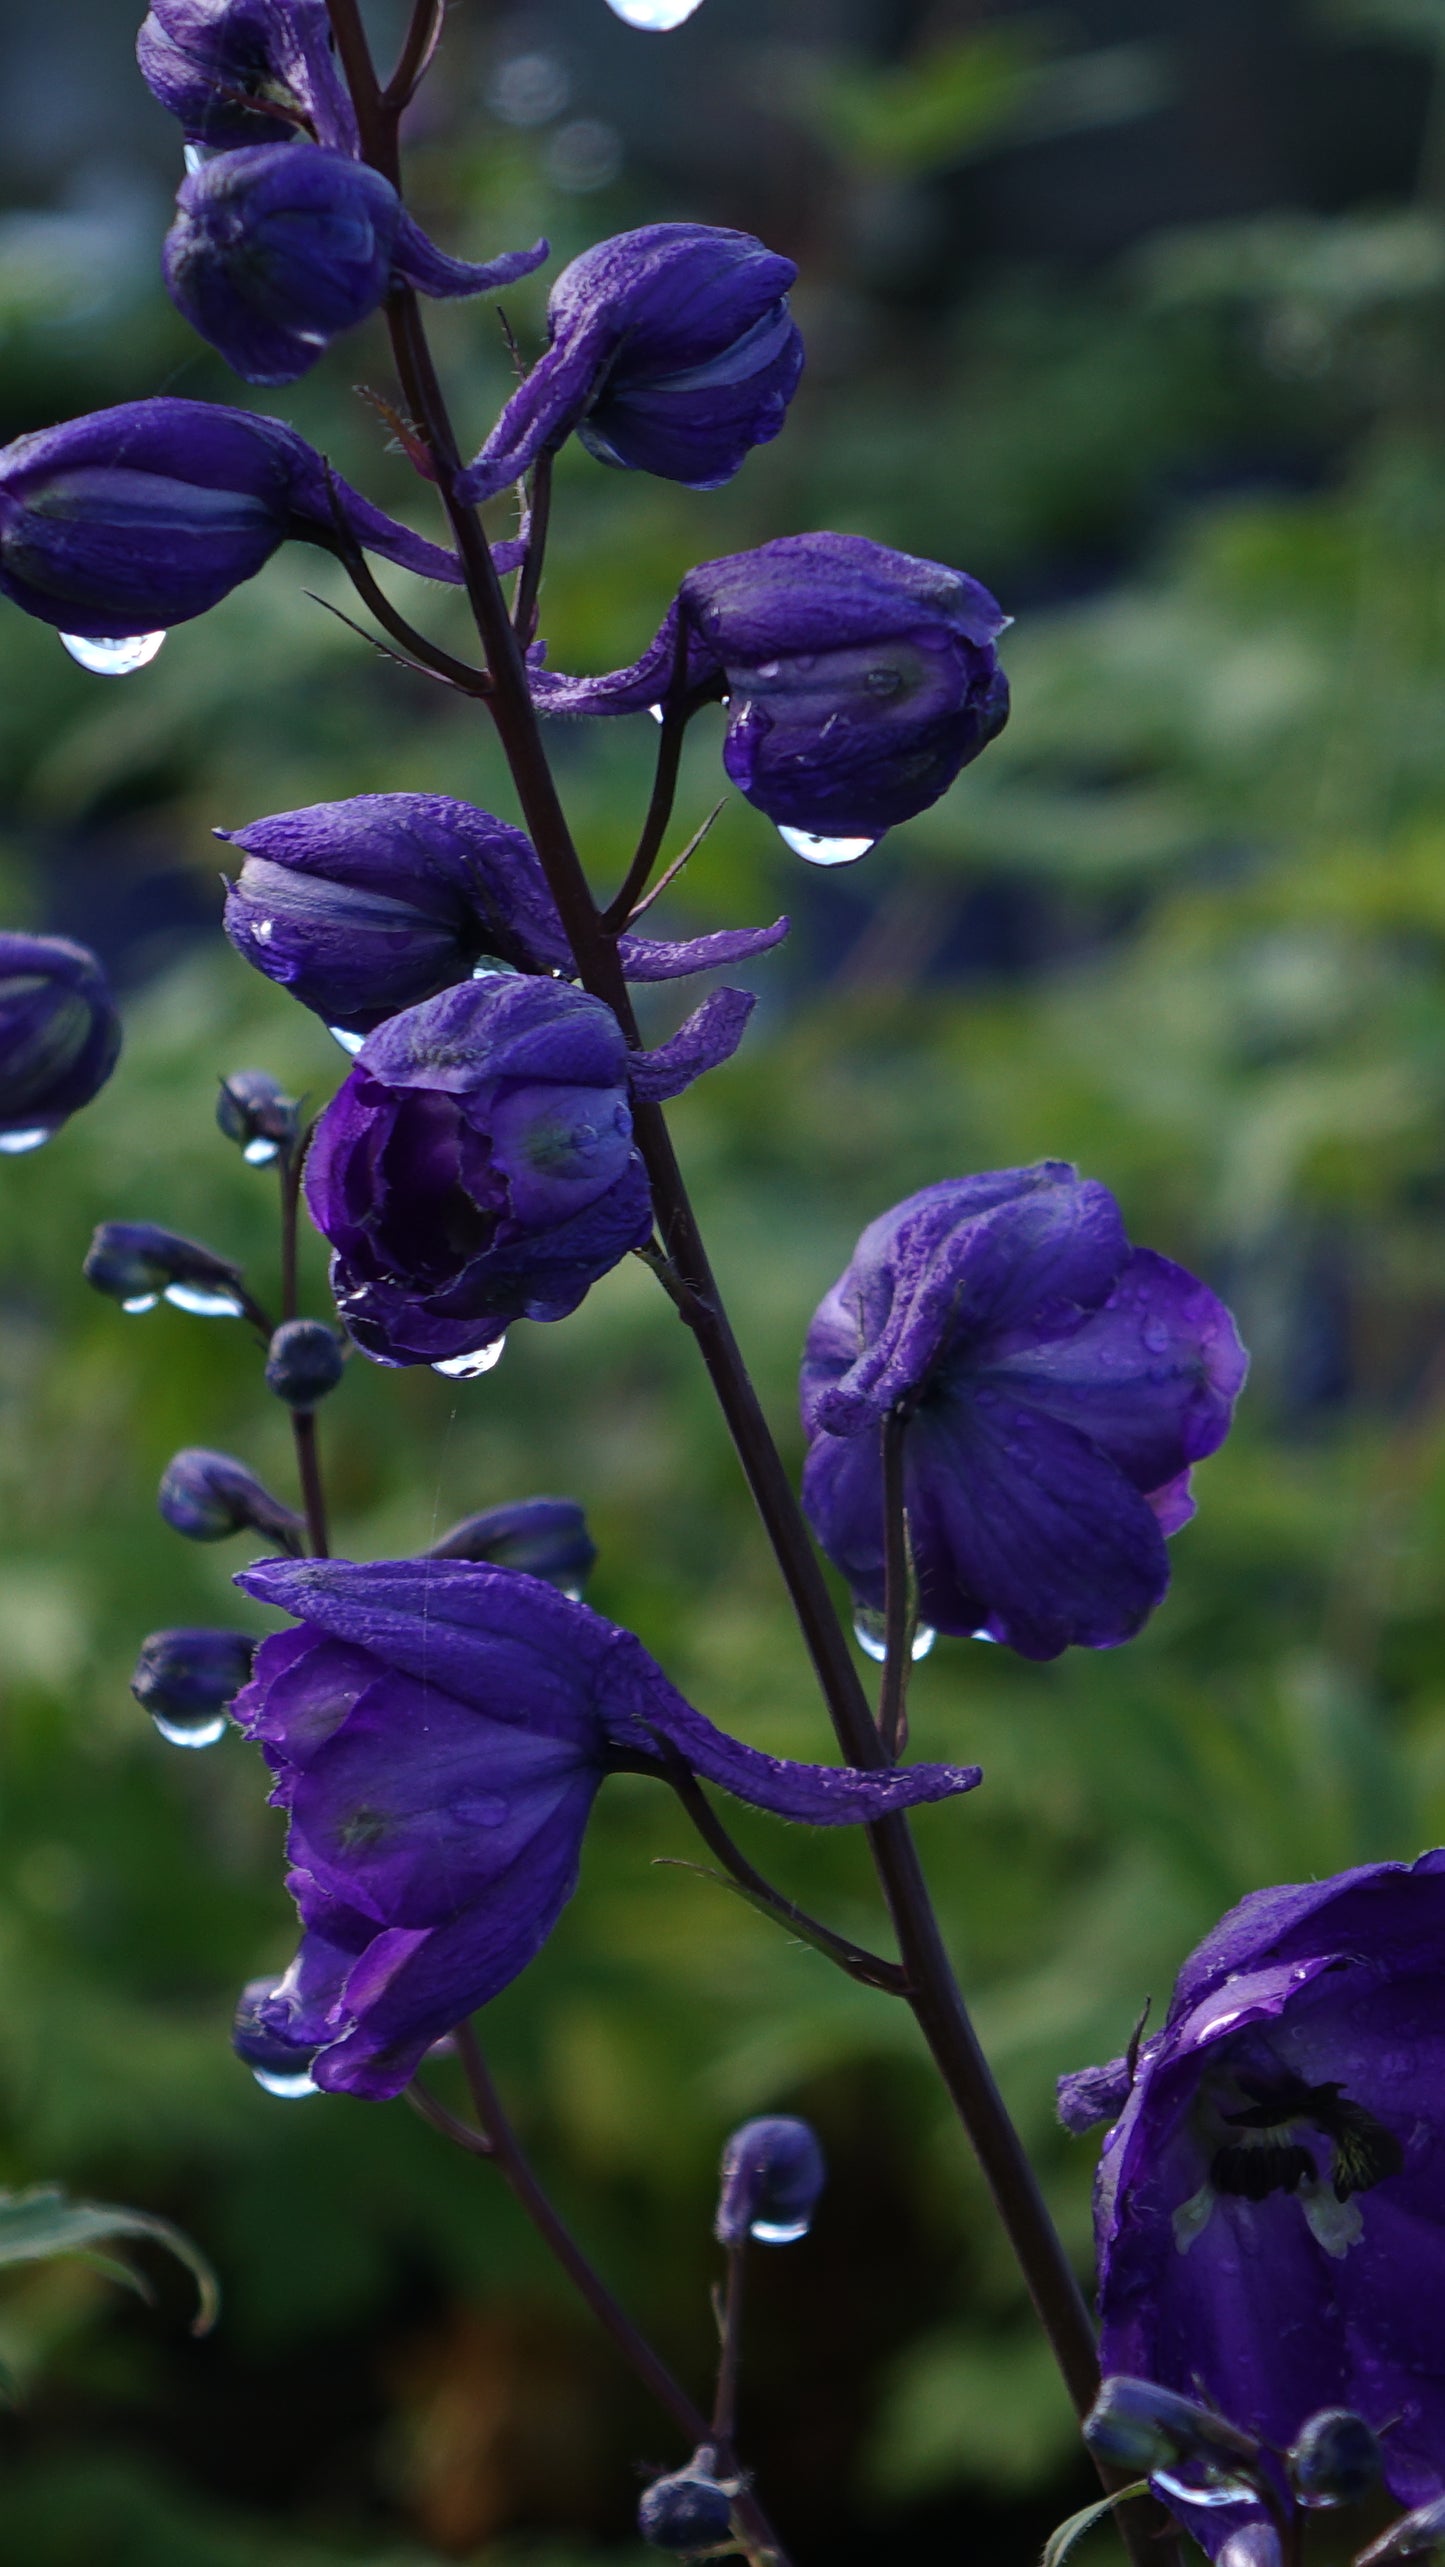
278	248
59	1035
478	1164
133	519
1269	2217
1057	1384
438	1732
859	681
361	908
671	350
246	71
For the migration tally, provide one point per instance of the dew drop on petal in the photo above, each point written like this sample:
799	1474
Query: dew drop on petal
776	2232
984	1635
260	1152
191	1733
203	1304
924	1636
656	17
491	967
1203	2484
470	1368
113	659
15	1144
349	1042
825	851
657	712
289	2087
140	1301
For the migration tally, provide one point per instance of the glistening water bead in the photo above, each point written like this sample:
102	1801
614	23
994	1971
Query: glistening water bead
202	1304
655	17
825	851
15	1144
870	1630
470	1368
191	1733
349	1042
290	2089
120	658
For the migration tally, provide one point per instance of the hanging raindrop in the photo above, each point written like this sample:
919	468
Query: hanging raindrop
290	2086
656	17
869	1630
260	1152
349	1042
470	1368
15	1144
201	1303
191	1733
825	851
774	2232
113	659
140	1301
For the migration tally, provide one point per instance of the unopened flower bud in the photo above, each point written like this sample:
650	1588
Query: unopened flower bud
1335	2460
305	1361
280	2065
1153	2432
185	1679
245	71
138	1264
688	2512
772	2173
254	1111
209	1495
59	1036
545	1536
1416	2536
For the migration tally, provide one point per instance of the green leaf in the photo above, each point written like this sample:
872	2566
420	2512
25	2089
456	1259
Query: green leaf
44	2221
1066	2537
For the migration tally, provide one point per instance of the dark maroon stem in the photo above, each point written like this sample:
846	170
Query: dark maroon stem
897	1598
303	1420
934	1995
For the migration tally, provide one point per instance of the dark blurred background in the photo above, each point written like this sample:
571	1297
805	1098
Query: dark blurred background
1133	308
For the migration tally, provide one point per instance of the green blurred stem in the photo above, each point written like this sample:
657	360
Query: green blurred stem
505	2149
934	1997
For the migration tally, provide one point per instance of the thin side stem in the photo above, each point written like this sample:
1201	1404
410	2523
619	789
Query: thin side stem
529	586
654	827
897	1595
730	2351
665	880
512	2162
303	1420
421	41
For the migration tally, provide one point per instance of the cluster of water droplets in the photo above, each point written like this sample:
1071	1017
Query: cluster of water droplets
120	658
470	1368
870	1632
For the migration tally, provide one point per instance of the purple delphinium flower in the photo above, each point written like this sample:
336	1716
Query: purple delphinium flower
859	681
1269	2203
1057	1386
438	1732
59	1035
276	249
478	1164
364	907
133	519
671	350
245	71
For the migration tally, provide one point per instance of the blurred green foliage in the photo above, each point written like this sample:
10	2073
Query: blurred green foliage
1185	924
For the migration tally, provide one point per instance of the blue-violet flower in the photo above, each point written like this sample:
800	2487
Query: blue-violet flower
59	1035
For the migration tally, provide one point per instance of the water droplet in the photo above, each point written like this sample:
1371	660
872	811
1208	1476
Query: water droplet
985	1635
196	155
113	659
202	1304
572	1594
777	2232
868	1631
470	1368
825	851
349	1042
140	1301
264	930
490	967
260	1152
191	1733
656	17
15	1144
289	2087
657	712
767	668
1203	2483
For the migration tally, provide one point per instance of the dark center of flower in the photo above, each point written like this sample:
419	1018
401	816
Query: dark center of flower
1279	2143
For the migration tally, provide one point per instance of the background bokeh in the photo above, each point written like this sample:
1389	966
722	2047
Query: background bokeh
1134	309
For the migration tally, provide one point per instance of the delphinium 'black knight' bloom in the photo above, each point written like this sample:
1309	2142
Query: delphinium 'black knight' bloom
1057	1386
130	520
59	1036
859	681
672	351
438	1732
275	250
1269	2205
234	72
364	907
478	1164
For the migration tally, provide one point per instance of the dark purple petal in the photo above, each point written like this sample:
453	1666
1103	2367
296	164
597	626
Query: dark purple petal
246	71
710	1036
59	1032
1092	2095
432	272
643	960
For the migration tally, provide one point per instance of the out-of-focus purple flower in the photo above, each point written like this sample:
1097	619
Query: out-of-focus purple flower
771	2176
276	249
246	71
1268	2211
364	907
438	1732
254	1110
138	1264
545	1536
304	1361
478	1164
1057	1386
859	681
207	1496
672	351
690	2510
59	1035
133	519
